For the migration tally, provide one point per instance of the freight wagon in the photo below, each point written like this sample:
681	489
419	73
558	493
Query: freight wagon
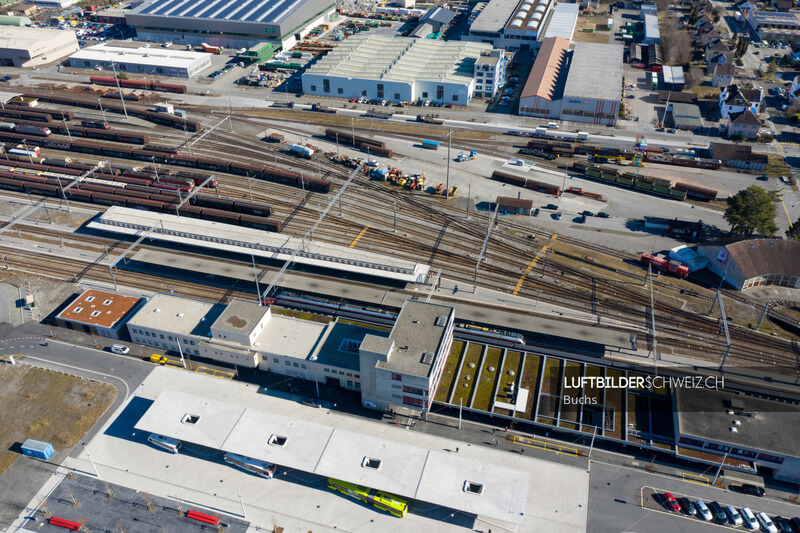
526	182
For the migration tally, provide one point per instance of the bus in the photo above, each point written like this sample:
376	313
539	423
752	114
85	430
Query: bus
165	443
430	145
254	466
377	498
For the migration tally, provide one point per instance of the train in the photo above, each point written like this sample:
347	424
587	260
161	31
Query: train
528	183
140	112
364	144
387	317
111	193
302	151
138	84
43	129
665	265
643	183
153	156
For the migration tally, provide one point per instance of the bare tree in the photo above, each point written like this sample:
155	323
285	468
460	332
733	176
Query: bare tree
676	44
694	77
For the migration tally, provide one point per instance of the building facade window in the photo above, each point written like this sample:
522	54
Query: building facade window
397	377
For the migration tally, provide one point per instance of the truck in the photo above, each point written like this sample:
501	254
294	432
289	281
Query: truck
211	49
473	154
379	174
323	109
429	120
582	136
302	151
285	105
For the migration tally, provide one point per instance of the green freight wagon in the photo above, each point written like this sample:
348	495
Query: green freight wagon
677	194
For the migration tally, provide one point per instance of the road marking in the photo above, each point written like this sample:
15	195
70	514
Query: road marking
542	445
215	373
787	212
521	279
7	358
363	231
695	478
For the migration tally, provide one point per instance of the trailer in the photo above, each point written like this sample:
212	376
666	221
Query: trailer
429	120
322	109
430	145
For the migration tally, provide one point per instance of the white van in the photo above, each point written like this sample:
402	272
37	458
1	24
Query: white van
749	518
165	443
120	349
552	125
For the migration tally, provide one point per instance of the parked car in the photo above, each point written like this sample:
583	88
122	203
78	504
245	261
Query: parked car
687	506
557	216
312	403
670	502
120	349
733	515
766	524
782	524
702	510
353	100
671	130
749	518
588	214
795	522
631	96
5	78
720	517
603	215
551	206
748	488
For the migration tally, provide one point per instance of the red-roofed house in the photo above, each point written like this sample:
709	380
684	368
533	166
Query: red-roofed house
541	95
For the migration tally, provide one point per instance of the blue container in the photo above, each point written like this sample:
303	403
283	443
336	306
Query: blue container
35	448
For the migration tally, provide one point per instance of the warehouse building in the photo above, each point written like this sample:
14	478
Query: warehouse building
562	22
401	69
593	89
34	47
99	312
651	32
510	24
229	24
755	262
245	334
541	96
142	60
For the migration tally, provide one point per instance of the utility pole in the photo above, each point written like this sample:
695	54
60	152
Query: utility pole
255	271
721	463
447	190
724	319
460	407
653	319
119	88
763	314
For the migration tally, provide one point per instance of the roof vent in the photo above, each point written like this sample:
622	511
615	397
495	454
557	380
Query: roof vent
473	488
440	320
180	314
189	418
371	462
278	440
734	430
737	423
427	358
156	310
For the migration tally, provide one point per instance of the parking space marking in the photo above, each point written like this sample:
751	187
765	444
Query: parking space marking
215	373
7	358
518	286
695	478
358	237
542	445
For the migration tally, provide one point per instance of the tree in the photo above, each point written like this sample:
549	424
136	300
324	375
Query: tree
752	210
675	44
772	68
693	77
794	231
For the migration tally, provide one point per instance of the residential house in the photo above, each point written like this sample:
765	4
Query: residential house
744	123
733	99
714	49
719	58
711	38
723	74
738	156
746	6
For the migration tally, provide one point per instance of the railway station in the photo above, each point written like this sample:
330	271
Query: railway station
475	487
250	242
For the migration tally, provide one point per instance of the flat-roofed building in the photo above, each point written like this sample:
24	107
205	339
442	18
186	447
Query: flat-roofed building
510	24
562	22
490	72
404	369
35	47
141	60
541	96
651	32
593	89
775	26
401	69
102	313
229	24
755	432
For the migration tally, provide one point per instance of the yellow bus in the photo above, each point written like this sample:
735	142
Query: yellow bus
377	498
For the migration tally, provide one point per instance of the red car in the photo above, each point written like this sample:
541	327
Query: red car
671	502
353	100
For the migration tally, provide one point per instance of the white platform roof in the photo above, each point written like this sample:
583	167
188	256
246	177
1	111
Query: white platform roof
405	470
275	246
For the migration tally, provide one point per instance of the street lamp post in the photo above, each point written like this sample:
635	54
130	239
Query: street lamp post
119	88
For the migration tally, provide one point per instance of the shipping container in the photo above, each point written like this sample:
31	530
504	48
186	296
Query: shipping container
36	448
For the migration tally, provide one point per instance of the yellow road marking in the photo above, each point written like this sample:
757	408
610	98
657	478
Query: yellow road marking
518	286
363	231
216	373
16	357
787	212
542	445
695	478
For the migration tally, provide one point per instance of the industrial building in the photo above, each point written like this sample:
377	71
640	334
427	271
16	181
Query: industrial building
674	79
651	32
740	427
434	21
99	312
401	368
509	24
755	262
684	116
562	22
775	26
541	96
593	90
229	24
142	60
34	47
401	69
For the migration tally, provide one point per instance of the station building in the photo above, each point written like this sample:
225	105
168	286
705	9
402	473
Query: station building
755	262
761	434
99	312
142	60
401	368
509	24
34	47
229	24
401	69
593	90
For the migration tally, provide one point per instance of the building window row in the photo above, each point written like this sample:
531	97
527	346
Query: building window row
413	390
412	401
